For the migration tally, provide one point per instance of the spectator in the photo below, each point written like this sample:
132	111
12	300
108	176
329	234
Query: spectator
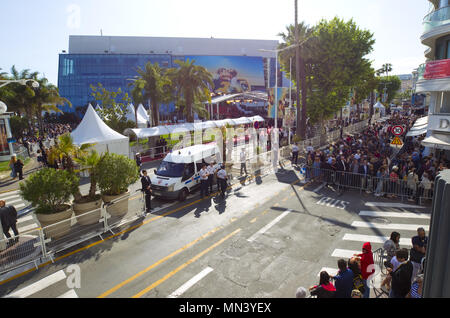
416	287
12	166
8	217
367	267
412	181
391	247
355	267
300	293
401	277
343	281
325	289
18	167
418	251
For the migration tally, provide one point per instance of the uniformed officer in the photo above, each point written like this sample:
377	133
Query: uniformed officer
203	181
295	153
146	187
222	179
211	169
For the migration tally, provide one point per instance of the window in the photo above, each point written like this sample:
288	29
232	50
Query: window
189	171
443	103
440	51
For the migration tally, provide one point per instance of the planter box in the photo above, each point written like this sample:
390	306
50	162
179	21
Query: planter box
58	230
120	208
82	210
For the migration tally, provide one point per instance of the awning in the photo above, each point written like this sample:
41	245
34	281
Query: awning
419	127
437	141
256	118
243	121
417	132
421	121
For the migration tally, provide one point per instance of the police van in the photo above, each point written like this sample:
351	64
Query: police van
178	173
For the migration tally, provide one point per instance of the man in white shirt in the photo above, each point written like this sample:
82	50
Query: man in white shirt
222	179
310	148
203	181
211	169
243	158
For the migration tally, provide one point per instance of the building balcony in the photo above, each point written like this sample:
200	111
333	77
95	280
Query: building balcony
435	25
433	76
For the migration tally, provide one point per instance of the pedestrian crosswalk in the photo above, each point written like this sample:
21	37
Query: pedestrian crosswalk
375	224
25	222
51	286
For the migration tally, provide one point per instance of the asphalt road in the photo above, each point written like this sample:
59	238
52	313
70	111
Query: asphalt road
265	239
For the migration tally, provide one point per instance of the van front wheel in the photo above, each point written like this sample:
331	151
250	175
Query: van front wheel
183	194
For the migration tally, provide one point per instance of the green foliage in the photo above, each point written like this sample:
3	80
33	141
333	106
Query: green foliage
392	84
18	126
114	107
89	161
116	173
49	189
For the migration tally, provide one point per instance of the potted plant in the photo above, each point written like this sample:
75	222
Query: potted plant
88	161
115	173
49	190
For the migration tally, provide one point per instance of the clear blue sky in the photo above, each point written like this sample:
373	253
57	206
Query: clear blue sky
32	33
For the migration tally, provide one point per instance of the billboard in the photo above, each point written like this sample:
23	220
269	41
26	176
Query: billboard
233	74
282	101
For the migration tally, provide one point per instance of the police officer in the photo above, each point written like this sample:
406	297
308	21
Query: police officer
243	158
211	169
294	153
146	187
203	181
222	179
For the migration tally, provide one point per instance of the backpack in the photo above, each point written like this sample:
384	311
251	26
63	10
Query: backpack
358	283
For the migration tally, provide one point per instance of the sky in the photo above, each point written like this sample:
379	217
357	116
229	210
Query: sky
33	33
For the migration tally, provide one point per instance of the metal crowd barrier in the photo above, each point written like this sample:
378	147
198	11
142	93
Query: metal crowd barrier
378	186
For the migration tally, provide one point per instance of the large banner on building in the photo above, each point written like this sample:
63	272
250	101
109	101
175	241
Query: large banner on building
282	101
233	74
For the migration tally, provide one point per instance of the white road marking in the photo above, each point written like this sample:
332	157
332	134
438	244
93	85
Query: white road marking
392	226
25	218
190	283
346	254
334	203
27	227
319	187
19	205
39	285
10	197
268	226
9	193
13	201
396	214
373	239
70	294
393	205
329	270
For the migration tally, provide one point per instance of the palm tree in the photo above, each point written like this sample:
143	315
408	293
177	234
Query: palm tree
89	162
192	84
65	150
386	68
137	95
47	98
156	86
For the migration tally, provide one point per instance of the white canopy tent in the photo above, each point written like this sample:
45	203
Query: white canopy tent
92	130
382	109
143	112
131	115
443	142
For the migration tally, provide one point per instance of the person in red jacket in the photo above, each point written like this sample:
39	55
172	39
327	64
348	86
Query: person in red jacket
325	289
367	266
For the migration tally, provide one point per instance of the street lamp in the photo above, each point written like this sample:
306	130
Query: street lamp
34	83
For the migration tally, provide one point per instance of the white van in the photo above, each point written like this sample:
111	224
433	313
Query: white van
178	173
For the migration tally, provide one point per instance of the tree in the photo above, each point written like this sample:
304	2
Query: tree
390	85
46	98
156	87
113	112
137	95
192	84
89	162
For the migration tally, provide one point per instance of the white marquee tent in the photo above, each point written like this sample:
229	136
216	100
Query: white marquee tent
93	130
143	112
131	115
382	109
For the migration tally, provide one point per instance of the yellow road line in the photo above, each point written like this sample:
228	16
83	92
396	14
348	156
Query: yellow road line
118	286
253	221
196	257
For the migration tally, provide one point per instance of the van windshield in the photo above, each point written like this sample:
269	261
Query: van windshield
170	169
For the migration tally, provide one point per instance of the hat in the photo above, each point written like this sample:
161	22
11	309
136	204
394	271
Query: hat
394	168
301	293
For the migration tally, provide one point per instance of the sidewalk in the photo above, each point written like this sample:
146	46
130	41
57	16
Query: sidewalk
8	184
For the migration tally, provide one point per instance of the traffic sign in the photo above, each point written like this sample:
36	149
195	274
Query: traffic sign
396	141
397	130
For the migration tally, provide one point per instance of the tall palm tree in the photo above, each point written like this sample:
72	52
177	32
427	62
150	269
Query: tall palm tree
156	88
137	88
47	98
89	162
192	84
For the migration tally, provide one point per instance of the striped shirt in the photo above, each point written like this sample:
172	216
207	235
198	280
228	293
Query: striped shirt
415	290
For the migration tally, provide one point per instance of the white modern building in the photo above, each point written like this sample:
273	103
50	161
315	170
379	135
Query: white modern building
434	75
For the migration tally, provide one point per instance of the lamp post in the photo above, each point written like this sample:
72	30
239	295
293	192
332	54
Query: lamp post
34	83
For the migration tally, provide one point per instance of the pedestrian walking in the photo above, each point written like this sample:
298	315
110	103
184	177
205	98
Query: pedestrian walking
343	281
222	180
295	150
147	189
243	158
8	218
18	167
203	181
12	166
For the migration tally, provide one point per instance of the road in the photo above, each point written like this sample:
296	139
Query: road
265	239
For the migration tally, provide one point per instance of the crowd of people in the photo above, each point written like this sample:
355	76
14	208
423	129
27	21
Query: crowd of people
367	161
355	277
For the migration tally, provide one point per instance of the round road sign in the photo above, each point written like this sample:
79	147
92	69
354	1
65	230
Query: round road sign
397	130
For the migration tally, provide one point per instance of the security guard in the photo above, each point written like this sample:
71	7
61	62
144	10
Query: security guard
211	169
222	179
203	181
146	187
